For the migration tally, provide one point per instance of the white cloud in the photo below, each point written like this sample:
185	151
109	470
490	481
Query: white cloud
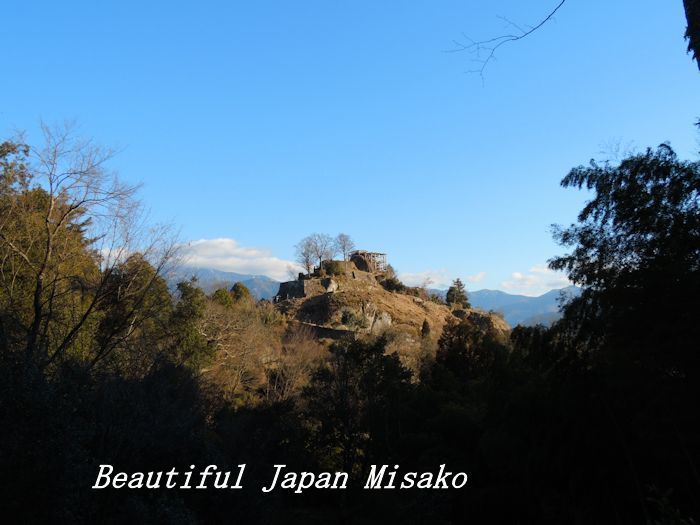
437	278
476	278
227	255
538	280
434	278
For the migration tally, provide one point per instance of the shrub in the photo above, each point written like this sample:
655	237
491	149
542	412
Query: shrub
497	313
333	267
223	297
351	319
425	329
392	284
240	292
417	291
436	299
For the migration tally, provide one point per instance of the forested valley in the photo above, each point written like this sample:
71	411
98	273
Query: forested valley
593	420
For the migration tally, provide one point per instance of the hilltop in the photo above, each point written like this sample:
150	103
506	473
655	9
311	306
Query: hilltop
353	301
515	309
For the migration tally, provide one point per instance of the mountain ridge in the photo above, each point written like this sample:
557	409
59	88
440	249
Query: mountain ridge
211	279
521	309
516	309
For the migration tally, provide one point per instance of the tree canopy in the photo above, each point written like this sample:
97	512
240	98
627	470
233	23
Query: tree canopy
457	294
636	252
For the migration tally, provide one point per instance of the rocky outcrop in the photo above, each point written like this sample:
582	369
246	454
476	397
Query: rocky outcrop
362	263
490	322
329	285
355	301
380	323
375	319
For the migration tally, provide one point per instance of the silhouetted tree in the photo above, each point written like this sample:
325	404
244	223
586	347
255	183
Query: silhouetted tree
354	401
630	339
485	50
692	32
465	349
636	252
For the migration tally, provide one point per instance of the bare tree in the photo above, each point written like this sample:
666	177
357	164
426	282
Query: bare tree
344	245
305	254
292	366
322	247
292	272
66	225
244	344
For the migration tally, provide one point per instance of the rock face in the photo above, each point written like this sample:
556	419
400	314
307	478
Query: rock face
329	284
380	323
356	302
362	263
491	323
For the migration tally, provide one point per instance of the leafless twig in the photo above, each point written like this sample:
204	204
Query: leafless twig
488	47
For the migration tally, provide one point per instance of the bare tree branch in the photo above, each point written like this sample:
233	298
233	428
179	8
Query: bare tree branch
487	48
66	226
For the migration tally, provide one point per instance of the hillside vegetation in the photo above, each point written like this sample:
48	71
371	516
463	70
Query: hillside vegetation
359	302
593	420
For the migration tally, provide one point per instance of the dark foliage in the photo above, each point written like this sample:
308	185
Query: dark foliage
332	268
593	420
457	294
392	284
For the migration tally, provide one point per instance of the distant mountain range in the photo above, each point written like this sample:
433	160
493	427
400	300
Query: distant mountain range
516	309
521	309
209	280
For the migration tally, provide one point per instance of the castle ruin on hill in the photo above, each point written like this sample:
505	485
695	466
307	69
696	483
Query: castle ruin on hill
373	262
362	260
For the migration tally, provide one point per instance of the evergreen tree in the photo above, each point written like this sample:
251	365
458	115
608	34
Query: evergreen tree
636	252
457	294
223	297
425	329
240	292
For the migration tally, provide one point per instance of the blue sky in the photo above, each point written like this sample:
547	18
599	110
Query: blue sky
253	124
